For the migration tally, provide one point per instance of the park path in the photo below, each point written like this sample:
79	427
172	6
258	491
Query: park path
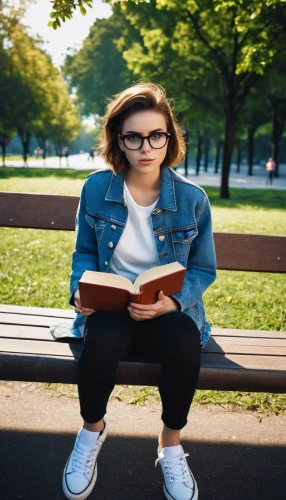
238	180
233	455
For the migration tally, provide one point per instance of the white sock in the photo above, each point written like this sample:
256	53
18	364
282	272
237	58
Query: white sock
88	437
172	451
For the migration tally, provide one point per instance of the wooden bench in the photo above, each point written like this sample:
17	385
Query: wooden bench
243	360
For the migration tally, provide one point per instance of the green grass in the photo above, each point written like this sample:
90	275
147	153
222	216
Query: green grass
35	267
42	180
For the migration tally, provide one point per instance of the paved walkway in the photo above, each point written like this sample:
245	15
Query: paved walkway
233	456
241	180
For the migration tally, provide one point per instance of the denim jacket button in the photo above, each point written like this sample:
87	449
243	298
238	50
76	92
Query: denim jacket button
106	263
161	237
113	227
95	224
156	211
110	244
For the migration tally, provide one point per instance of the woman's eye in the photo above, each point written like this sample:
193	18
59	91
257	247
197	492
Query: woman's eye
156	136
134	138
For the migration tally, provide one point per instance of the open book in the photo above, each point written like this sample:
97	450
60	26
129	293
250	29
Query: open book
104	291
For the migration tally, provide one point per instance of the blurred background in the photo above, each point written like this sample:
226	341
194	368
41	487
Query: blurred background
221	62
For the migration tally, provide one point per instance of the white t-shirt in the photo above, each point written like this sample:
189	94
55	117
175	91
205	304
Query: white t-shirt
136	250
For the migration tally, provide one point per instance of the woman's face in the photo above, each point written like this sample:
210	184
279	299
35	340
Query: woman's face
144	123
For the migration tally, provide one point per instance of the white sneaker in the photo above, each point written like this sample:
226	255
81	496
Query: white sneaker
179	482
80	472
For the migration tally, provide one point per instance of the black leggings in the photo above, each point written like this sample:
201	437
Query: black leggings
172	339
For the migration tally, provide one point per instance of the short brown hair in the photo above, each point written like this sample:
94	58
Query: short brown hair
135	98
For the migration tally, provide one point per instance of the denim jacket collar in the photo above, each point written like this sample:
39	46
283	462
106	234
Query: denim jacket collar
167	198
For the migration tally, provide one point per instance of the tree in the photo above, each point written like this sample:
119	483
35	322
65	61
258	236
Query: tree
277	104
255	113
98	69
233	41
31	86
60	121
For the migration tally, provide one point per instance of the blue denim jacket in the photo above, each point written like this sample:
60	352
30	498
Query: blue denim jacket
182	230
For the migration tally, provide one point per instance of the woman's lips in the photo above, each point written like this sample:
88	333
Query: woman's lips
146	161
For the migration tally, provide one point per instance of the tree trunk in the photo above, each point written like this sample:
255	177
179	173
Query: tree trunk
187	155
238	158
217	156
3	146
25	137
43	144
230	129
186	163
199	153
277	132
206	152
250	149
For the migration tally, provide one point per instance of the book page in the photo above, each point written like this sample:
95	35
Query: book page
156	272
108	279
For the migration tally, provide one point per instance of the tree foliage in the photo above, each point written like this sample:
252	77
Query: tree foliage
63	10
210	54
98	69
213	51
34	97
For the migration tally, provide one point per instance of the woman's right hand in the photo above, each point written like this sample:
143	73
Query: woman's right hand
82	310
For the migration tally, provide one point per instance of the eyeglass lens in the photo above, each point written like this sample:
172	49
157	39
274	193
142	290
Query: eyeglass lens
135	141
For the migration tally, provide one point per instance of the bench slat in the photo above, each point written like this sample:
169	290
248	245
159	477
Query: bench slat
249	360
37	311
21	315
46	348
250	252
24	332
29	320
38	211
242	345
231	332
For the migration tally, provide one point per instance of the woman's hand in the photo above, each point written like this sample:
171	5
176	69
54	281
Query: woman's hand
82	310
163	305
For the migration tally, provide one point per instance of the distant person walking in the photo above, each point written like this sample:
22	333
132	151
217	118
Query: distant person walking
91	155
65	153
270	169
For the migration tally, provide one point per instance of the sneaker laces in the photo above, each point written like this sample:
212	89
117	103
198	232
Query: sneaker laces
83	458
176	468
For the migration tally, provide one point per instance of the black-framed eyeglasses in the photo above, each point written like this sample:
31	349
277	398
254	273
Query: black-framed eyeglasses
157	140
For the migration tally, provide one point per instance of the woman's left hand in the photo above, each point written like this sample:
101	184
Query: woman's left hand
164	304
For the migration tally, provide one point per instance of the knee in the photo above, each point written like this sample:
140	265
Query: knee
104	337
184	340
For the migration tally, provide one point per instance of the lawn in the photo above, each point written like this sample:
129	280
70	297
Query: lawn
35	264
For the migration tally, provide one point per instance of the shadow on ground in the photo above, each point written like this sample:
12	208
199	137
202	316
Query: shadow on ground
32	464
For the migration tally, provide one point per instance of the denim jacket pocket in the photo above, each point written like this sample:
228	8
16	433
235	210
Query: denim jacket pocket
182	241
97	224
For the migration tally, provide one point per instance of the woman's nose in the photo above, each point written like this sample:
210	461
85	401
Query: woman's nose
145	146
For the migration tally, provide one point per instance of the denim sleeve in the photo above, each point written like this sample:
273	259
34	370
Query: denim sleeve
85	255
201	265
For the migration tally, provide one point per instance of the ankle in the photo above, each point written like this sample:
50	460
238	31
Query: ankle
97	427
168	437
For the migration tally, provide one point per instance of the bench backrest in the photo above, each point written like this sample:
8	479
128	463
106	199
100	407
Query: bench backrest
239	252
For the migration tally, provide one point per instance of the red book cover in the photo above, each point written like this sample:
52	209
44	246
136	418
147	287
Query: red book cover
109	293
